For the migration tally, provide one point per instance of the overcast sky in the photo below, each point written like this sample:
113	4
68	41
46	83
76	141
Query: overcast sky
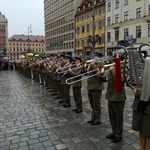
22	13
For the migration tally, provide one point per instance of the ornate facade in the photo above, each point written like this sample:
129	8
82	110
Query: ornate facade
127	22
3	35
20	44
90	22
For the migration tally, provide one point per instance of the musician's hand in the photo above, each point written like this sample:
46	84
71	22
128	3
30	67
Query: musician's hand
69	70
134	90
99	74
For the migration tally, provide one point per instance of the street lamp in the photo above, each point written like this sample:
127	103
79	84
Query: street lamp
29	31
93	38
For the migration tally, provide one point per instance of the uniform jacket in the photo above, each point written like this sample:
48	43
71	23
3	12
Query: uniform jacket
111	94
65	75
93	83
76	71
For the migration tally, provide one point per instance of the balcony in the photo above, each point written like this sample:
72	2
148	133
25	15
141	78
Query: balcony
148	18
117	25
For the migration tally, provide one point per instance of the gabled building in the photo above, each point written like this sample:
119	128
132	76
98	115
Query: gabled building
3	35
20	44
89	24
127	22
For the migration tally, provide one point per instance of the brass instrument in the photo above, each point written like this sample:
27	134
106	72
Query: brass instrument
100	69
64	69
136	65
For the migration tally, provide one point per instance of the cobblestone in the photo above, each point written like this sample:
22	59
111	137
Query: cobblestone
31	119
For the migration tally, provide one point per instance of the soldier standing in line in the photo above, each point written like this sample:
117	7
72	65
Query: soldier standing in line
66	88
141	109
78	85
116	104
59	86
95	87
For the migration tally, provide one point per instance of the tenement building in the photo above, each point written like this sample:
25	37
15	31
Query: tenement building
21	44
59	25
90	27
127	22
3	35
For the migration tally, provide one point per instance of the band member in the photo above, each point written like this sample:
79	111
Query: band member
78	85
95	87
116	104
141	109
60	63
66	88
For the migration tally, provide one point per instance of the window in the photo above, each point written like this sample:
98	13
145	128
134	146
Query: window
87	15
100	40
138	13
83	17
138	32
126	33
78	43
126	16
82	29
109	6
108	36
108	21
89	4
88	28
95	1
94	12
116	34
117	4
117	18
126	2
100	24
83	6
78	30
149	10
82	43
148	30
100	11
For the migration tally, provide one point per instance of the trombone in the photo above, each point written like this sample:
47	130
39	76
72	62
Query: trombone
64	69
95	71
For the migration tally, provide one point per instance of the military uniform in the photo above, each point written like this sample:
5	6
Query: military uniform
116	103
77	86
141	115
95	87
66	88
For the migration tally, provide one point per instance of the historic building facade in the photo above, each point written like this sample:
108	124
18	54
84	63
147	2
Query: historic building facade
90	27
3	35
59	25
126	22
20	44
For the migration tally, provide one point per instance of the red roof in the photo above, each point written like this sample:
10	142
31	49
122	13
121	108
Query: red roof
23	37
84	2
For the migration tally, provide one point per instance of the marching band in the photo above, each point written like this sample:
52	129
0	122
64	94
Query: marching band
60	72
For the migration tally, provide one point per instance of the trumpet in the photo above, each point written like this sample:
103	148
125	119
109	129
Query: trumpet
95	71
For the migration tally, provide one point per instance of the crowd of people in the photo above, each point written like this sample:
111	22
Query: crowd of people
6	64
60	72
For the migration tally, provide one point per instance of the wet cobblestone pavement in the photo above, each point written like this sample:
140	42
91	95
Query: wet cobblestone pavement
31	119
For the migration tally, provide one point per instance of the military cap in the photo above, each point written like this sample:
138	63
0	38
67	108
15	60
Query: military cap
98	54
77	58
62	55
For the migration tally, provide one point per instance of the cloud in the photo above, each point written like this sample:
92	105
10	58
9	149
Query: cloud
22	13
